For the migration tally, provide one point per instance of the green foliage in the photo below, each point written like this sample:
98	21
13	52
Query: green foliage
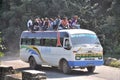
101	16
1	54
1	46
111	29
117	49
0	4
115	64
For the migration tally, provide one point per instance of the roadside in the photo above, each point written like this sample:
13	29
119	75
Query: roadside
12	59
112	60
101	72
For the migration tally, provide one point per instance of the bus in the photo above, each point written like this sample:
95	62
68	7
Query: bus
66	49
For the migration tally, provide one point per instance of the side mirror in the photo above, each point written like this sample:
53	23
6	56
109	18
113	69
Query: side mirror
68	47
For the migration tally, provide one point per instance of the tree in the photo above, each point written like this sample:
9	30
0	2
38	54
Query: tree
112	27
101	16
1	46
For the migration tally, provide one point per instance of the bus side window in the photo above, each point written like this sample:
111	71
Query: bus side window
32	41
42	42
61	40
24	41
37	42
46	42
53	42
28	42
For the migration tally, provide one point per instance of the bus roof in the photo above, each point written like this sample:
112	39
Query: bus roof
53	34
42	34
77	31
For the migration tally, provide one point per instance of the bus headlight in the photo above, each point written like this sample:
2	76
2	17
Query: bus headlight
77	58
100	57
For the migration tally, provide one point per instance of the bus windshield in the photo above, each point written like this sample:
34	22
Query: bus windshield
78	39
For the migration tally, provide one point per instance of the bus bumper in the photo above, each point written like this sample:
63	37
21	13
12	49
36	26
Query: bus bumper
85	63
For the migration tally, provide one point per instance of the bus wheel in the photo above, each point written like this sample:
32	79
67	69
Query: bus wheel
65	67
32	63
91	69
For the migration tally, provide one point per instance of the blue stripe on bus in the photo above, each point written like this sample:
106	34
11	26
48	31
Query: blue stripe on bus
32	52
85	63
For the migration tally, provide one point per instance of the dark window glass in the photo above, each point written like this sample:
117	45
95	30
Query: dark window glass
37	42
50	42
26	41
41	42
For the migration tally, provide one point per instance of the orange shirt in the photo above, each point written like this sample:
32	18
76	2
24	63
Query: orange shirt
64	22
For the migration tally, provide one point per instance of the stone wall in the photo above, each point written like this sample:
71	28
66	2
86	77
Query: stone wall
8	73
12	77
112	62
33	75
5	70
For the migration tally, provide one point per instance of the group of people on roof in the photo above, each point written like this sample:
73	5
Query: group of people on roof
43	24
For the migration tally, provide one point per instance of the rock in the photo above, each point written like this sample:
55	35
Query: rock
12	77
109	60
119	60
5	70
114	59
33	75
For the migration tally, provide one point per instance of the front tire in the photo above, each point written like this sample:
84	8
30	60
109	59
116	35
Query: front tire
32	63
91	69
65	67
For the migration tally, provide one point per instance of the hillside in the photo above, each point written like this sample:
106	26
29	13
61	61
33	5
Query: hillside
101	16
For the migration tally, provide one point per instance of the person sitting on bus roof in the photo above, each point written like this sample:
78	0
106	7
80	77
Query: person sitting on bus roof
74	23
64	23
46	24
42	24
70	24
36	25
57	22
29	24
51	24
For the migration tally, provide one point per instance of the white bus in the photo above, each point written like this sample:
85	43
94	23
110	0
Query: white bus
72	48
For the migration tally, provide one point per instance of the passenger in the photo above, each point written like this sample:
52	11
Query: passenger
29	24
70	24
51	23
42	24
57	23
46	24
36	25
65	23
74	23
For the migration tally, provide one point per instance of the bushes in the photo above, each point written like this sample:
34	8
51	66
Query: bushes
115	63
1	54
112	62
1	46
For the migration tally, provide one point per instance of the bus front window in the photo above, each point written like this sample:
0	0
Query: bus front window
78	39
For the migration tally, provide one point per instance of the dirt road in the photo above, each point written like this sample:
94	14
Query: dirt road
101	72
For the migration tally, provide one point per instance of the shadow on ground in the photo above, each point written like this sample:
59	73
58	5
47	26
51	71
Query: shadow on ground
56	73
